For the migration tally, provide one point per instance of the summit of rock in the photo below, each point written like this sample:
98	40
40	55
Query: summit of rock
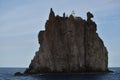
69	44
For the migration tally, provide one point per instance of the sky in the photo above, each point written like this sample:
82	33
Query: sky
21	21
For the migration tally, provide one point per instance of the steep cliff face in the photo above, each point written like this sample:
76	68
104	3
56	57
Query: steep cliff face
69	44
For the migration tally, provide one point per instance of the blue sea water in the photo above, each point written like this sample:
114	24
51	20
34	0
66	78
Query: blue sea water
8	74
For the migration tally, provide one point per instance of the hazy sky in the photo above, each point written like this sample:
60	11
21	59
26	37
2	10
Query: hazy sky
21	20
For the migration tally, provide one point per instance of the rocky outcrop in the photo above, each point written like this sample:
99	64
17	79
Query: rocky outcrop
69	44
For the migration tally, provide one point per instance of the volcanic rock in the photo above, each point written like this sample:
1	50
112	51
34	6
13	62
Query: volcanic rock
69	44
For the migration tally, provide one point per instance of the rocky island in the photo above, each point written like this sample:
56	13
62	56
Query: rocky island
67	45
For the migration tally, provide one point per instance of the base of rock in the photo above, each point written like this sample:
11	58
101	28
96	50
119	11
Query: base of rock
62	73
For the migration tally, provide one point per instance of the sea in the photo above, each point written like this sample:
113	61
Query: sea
8	74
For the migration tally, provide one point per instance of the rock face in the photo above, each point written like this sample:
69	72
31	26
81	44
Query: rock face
69	44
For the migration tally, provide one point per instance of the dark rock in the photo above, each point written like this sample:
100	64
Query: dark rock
89	16
69	44
19	74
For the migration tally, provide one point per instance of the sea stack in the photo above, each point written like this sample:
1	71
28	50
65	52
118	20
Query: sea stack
69	44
